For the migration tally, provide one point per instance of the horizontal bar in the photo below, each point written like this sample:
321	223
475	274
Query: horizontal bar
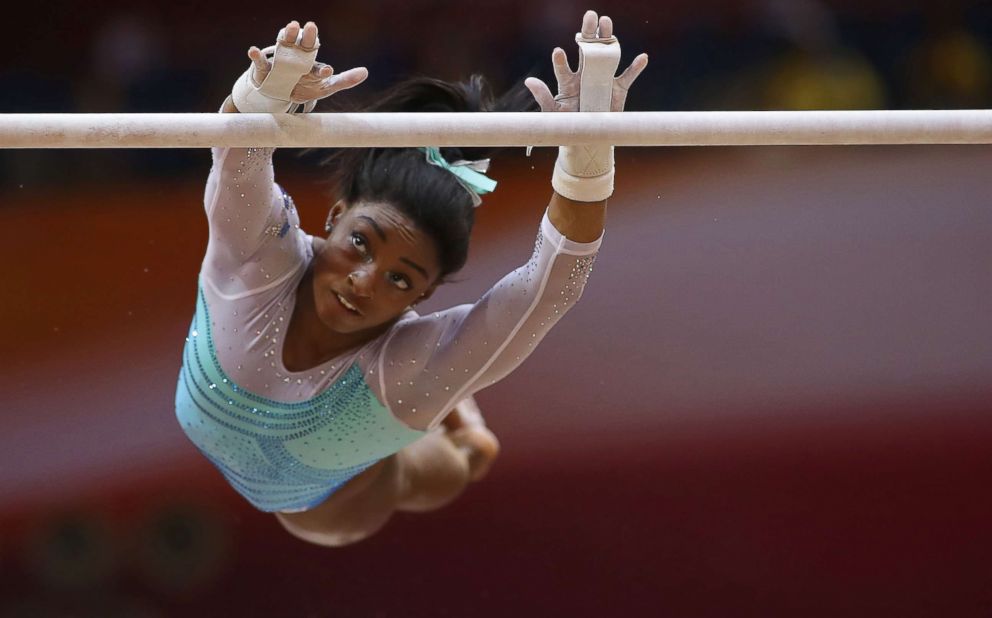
495	129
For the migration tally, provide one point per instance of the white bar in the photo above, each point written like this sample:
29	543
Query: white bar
495	129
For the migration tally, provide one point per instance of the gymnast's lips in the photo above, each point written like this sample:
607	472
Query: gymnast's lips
348	303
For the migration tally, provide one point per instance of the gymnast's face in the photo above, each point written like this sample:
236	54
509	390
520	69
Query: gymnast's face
374	265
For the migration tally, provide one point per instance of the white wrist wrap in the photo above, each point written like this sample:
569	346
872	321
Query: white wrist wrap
273	95
585	173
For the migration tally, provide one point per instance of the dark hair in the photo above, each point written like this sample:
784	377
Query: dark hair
401	177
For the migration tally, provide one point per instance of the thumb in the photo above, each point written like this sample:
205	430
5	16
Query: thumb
258	61
542	94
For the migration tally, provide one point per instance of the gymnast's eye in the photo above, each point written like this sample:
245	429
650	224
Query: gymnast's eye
400	281
358	241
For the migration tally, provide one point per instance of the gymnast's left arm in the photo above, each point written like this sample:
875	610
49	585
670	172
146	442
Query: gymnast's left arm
583	176
429	363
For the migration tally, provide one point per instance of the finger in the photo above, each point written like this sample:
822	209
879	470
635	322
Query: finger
321	70
344	81
559	62
291	32
541	93
589	21
257	58
605	27
309	39
627	77
258	61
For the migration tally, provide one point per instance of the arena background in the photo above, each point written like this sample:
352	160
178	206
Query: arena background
775	397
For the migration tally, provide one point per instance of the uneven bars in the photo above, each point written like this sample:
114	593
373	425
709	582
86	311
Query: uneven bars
495	129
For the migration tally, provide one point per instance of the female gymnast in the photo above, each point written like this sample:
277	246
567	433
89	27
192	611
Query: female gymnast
307	378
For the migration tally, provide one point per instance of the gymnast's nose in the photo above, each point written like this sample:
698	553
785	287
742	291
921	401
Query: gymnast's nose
361	283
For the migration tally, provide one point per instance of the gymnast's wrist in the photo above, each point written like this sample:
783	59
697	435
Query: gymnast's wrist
584	173
228	107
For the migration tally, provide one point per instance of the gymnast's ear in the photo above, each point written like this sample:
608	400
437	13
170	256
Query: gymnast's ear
338	209
427	294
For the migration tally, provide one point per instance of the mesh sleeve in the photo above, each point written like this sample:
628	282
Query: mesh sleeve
431	362
253	239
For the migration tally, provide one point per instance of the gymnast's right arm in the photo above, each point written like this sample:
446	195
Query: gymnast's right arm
243	204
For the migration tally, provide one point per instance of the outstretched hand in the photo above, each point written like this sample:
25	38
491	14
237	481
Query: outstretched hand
320	82
568	80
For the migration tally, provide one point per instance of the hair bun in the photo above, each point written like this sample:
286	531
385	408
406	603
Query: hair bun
427	94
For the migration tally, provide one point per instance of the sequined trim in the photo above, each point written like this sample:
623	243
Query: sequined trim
281	455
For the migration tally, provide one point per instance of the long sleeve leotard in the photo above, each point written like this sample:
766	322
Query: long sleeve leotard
286	440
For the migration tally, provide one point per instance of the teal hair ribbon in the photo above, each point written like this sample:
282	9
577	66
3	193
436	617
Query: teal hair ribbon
470	174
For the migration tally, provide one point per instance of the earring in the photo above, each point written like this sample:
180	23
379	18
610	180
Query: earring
328	226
